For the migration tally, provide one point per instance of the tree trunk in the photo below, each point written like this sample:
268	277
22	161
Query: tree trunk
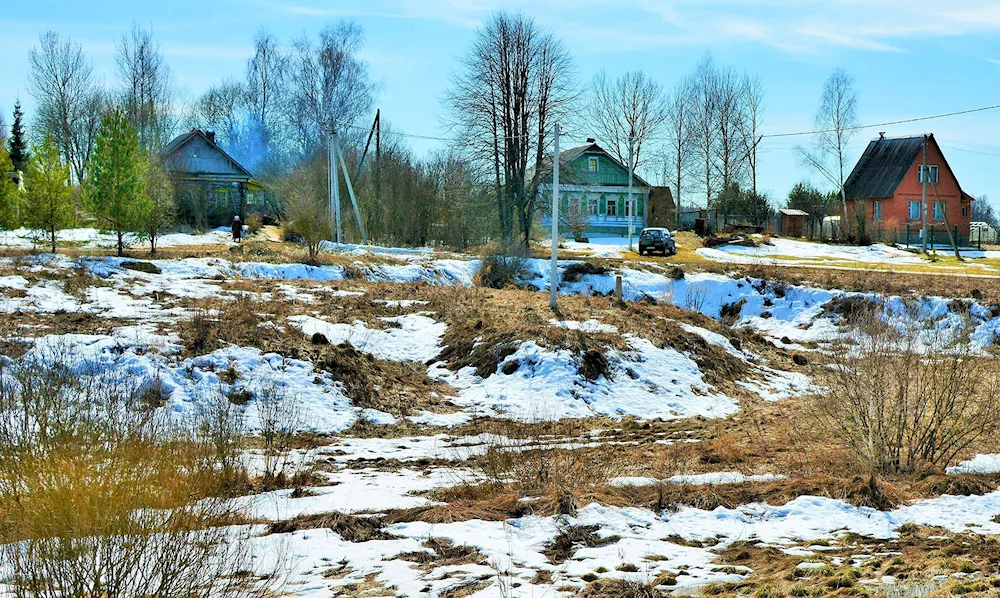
52	237
121	243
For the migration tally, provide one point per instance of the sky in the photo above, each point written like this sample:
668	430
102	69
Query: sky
909	59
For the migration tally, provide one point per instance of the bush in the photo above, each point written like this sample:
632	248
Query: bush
103	496
501	267
254	223
900	406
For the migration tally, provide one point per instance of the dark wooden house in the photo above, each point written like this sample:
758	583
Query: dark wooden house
211	185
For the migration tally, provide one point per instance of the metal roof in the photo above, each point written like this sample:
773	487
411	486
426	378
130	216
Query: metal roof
882	167
793	212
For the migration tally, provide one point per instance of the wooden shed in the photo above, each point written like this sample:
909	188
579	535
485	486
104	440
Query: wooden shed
792	223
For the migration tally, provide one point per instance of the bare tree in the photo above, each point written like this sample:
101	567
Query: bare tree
730	116
69	102
221	108
679	124
147	91
703	122
836	123
514	83
265	91
629	110
753	104
330	88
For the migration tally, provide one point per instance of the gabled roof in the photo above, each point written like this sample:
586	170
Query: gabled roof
882	167
571	155
792	212
184	138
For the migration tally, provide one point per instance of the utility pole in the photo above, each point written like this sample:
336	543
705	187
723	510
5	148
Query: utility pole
631	208
553	273
335	187
923	199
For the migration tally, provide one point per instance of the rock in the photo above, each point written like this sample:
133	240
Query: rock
800	359
318	338
785	340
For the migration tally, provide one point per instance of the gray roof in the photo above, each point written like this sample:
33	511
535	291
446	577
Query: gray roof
793	212
178	142
882	167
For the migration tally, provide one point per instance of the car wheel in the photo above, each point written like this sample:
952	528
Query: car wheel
640	253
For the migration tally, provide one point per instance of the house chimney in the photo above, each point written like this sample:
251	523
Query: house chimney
591	140
881	135
210	135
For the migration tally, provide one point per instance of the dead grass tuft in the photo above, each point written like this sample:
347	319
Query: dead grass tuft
350	527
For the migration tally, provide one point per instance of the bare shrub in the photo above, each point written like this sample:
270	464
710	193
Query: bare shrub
99	494
501	267
900	406
279	418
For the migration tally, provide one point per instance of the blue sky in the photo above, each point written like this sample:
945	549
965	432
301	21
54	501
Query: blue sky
909	58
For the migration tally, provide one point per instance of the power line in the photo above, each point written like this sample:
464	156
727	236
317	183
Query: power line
766	136
889	123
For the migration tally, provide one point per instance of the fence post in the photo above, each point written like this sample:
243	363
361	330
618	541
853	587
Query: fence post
907	235
618	289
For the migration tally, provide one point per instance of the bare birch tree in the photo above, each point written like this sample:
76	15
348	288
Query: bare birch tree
265	90
69	102
753	104
679	124
330	88
703	122
513	84
146	96
836	123
628	110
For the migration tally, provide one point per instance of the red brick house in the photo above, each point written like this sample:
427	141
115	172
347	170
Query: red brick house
886	188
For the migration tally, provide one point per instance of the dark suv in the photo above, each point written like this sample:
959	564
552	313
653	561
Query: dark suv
656	239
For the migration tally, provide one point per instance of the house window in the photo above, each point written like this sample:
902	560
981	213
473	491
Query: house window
592	206
629	206
965	211
612	207
592	164
877	210
914	210
939	210
933	170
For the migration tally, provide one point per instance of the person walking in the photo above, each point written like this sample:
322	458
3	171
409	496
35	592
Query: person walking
237	229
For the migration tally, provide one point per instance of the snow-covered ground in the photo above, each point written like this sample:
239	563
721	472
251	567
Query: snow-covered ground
91	238
644	381
790	252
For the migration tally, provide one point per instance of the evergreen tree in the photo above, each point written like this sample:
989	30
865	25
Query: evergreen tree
116	179
48	198
19	154
8	193
162	207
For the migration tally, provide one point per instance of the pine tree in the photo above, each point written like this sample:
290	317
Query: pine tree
116	179
162	206
19	154
48	198
8	193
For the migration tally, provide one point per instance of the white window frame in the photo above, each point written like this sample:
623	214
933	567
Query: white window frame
942	206
876	210
629	205
909	213
593	164
933	169
611	207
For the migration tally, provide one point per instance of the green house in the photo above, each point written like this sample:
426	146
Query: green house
593	194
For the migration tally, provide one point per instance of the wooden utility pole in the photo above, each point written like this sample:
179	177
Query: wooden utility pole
631	208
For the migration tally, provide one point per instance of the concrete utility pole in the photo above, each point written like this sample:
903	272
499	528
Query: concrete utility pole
923	198
631	208
554	272
334	185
